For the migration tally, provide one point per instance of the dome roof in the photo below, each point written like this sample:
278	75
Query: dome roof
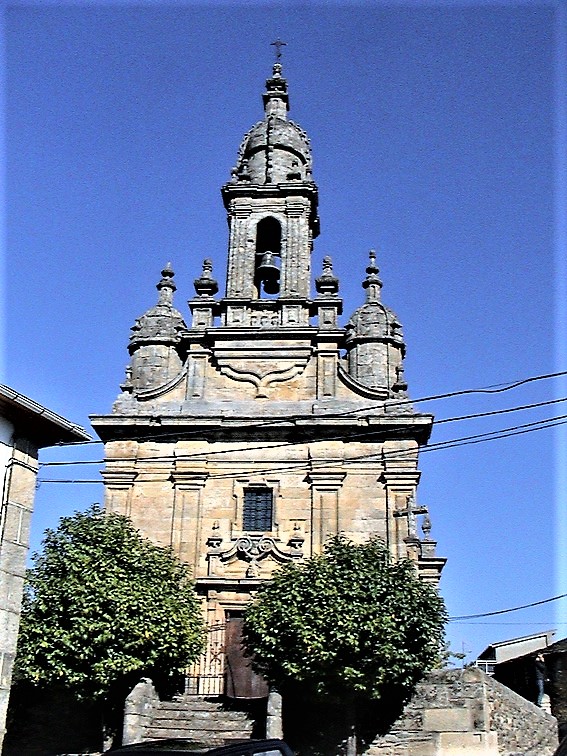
275	149
373	321
162	323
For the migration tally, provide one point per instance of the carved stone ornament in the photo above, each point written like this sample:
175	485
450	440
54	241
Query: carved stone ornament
251	550
261	368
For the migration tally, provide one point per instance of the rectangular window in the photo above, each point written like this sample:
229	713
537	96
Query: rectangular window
258	508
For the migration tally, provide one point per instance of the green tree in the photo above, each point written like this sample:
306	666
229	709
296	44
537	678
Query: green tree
104	606
351	623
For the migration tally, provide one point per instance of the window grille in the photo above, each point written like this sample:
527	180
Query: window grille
258	509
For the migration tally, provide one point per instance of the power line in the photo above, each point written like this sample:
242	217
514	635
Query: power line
507	611
514	624
496	388
500	411
490	389
380	454
362	435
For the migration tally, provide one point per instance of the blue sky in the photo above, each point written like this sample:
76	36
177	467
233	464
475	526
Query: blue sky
436	141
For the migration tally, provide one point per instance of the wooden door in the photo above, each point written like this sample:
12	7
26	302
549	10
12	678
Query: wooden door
241	680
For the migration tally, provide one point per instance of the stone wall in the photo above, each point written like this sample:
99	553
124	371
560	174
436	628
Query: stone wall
18	465
138	709
464	713
51	721
521	726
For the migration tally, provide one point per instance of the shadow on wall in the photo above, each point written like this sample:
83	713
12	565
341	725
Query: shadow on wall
50	721
319	726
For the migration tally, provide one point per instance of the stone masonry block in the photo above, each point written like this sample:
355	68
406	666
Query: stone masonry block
447	720
468	744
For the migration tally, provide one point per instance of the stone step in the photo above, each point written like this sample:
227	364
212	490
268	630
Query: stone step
173	712
199	719
159	733
196	703
196	723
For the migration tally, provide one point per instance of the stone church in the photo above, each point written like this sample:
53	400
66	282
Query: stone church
250	432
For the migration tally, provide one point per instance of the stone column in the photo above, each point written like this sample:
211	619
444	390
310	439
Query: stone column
118	486
296	263
188	515
17	507
325	509
240	275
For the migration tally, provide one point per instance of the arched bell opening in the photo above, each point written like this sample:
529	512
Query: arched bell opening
268	252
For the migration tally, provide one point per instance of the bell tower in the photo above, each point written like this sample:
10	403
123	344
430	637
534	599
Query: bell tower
271	204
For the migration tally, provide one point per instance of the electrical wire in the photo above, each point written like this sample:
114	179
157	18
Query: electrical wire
380	454
515	624
490	389
363	434
507	611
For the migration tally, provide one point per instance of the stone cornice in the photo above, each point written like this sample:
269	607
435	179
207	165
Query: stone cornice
325	480
188	479
404	477
230	192
212	421
119	478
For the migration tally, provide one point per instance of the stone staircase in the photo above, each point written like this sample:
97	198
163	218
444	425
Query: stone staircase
463	712
205	721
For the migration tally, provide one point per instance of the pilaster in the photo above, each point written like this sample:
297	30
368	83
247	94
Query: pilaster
400	486
118	486
186	526
240	273
196	373
325	511
296	265
203	311
327	360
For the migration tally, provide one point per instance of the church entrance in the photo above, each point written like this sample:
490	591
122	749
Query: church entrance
241	680
224	669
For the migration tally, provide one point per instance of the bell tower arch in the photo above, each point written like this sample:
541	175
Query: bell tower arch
268	253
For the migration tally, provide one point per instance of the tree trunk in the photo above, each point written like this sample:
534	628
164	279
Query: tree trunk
350	716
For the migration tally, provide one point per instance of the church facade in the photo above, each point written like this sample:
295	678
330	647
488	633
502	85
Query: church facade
248	434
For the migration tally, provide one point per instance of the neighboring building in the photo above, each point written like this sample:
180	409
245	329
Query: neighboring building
515	668
25	427
504	651
248	438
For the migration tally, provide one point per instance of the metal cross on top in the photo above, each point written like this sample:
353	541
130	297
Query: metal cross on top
278	44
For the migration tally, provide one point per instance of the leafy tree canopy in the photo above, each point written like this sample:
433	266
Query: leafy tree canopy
101	603
350	621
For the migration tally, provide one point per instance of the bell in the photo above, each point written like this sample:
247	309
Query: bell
269	274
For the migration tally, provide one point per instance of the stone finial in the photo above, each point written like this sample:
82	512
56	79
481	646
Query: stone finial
206	285
372	283
162	323
276	99
127	385
327	284
166	286
400	384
